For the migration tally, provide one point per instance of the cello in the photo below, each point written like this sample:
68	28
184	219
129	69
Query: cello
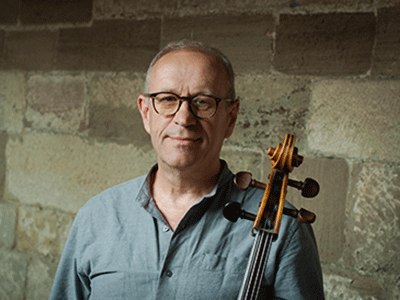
268	219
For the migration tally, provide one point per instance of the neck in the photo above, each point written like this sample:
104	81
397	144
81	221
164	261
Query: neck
179	182
175	191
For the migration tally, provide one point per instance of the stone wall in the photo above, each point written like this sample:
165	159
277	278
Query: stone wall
326	71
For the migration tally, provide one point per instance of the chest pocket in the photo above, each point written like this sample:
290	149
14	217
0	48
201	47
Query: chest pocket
210	276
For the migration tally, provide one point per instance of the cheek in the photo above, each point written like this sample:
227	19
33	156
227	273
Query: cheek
156	126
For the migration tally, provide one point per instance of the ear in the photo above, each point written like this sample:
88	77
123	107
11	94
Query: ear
144	110
233	111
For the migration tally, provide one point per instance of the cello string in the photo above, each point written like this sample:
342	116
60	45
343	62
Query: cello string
248	276
262	261
263	242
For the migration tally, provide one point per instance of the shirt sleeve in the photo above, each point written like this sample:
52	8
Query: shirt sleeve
70	282
299	274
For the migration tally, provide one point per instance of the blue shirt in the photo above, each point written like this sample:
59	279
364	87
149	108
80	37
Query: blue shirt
120	247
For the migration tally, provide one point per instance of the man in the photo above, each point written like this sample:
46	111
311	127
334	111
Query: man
163	235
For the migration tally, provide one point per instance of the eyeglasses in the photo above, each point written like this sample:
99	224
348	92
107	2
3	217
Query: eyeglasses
168	104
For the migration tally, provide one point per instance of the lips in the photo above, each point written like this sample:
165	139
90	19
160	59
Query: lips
185	140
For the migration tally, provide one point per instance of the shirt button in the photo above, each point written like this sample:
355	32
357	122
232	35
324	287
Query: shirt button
165	229
168	273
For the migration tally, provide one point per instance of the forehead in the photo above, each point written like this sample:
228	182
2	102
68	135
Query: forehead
189	54
188	64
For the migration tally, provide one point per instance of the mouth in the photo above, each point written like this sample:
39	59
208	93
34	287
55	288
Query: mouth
185	140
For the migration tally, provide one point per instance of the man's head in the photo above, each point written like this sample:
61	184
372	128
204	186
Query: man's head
188	138
186	44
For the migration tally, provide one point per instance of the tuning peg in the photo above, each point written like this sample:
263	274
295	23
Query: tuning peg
302	215
309	188
233	211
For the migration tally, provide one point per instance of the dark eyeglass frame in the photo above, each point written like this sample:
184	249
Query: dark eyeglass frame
189	99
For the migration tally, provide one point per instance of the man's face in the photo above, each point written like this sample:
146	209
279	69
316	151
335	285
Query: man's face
183	141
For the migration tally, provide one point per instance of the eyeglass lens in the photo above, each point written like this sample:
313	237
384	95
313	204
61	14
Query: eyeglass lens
201	106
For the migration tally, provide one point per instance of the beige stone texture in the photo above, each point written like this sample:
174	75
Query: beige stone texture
65	171
56	103
3	143
8	217
117	90
41	274
356	118
373	225
2	35
248	161
12	101
329	205
13	275
387	55
113	112
245	39
37	230
340	287
270	108
64	226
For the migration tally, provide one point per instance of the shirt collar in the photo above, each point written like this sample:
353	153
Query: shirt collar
144	196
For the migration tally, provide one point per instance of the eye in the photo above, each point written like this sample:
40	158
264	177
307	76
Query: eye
203	101
166	98
200	101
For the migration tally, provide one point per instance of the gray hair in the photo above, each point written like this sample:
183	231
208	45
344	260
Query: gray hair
187	44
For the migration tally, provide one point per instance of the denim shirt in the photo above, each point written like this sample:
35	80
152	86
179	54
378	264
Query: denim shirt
121	247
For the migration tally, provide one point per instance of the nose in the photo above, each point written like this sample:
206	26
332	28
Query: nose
184	116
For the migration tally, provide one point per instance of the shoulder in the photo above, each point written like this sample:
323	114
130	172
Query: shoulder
118	198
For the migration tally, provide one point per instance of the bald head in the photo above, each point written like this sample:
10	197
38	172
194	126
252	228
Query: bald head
220	61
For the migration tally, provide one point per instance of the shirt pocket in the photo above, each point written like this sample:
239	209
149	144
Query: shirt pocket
212	276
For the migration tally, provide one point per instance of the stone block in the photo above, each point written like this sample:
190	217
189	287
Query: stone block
244	39
2	37
113	112
65	171
329	205
56	103
270	107
41	274
373	226
3	143
9	12
64	226
387	55
13	274
12	101
357	119
30	50
140	8
112	45
37	230
337	44
8	214
341	287
248	161
53	12
106	9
